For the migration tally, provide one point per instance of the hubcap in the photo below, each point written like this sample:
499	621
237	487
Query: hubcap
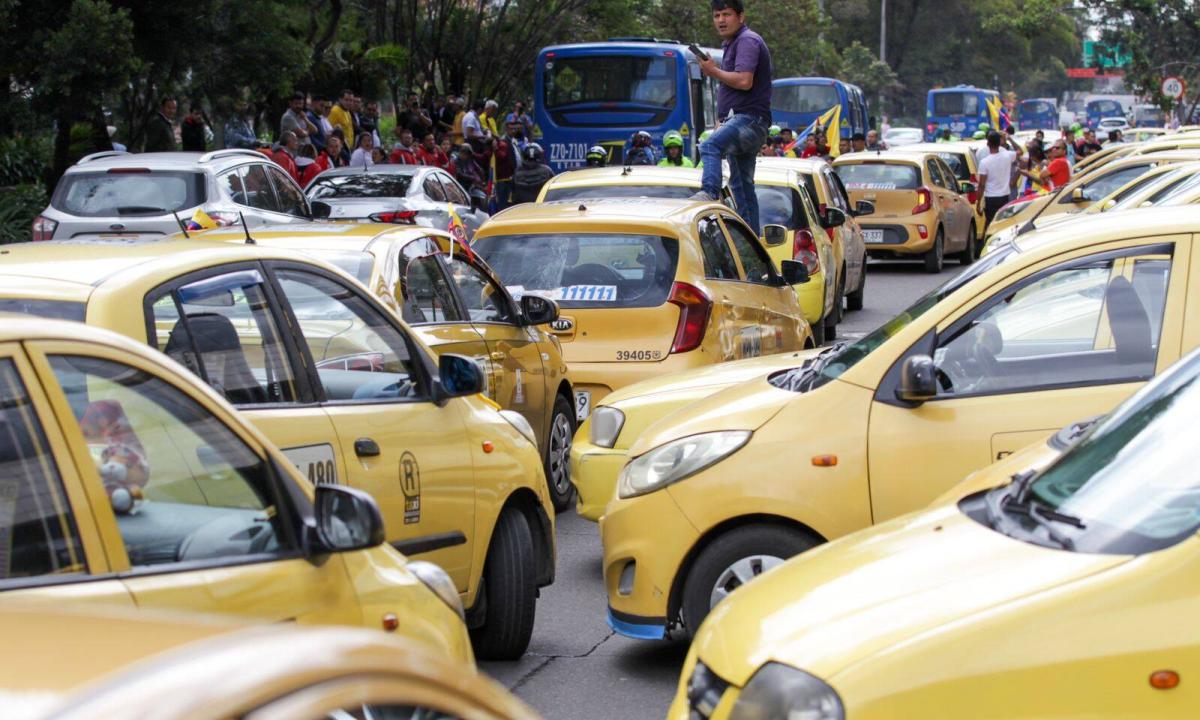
740	573
560	449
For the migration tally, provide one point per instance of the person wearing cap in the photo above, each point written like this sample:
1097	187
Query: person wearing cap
1068	136
673	152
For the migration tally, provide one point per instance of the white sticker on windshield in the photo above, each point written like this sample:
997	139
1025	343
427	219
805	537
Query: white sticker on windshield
592	293
871	186
517	291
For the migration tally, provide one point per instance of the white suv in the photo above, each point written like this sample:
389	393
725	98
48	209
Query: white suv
118	195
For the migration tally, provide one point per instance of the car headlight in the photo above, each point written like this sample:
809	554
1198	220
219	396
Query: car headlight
1009	210
1003	237
437	580
677	460
522	425
781	691
606	426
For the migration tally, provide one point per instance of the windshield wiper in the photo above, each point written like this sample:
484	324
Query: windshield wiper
140	209
1018	501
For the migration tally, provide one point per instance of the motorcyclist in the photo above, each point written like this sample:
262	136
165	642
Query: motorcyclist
531	175
596	156
673	151
641	149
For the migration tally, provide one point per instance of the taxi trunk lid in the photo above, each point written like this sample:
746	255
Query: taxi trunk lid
608	335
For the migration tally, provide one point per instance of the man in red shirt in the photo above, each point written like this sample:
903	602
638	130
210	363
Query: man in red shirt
1058	172
428	153
403	153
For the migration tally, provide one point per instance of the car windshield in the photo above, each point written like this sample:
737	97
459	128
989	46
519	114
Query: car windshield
1185	184
358	264
1130	481
879	176
366	185
776	206
55	309
847	356
803	98
584	270
128	192
635	80
592	192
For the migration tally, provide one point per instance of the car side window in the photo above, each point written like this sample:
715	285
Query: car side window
182	485
718	258
484	300
259	193
837	191
433	188
454	192
38	536
222	329
935	173
755	260
1102	186
232	187
291	199
948	176
426	296
1083	324
358	354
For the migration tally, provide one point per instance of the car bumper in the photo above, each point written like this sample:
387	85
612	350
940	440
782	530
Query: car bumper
902	238
645	542
594	470
602	378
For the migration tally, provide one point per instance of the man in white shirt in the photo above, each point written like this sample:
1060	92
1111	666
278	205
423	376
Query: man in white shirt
995	176
471	125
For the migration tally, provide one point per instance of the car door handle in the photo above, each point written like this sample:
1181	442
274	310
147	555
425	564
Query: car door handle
366	447
498	356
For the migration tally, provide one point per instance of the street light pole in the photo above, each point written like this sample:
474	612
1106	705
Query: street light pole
882	48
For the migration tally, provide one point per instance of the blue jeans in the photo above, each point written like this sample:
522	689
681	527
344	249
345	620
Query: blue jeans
739	141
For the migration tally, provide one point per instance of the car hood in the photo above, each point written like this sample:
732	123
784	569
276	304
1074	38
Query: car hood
839	605
716	377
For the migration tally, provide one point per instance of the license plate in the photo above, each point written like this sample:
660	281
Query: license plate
872	236
583	404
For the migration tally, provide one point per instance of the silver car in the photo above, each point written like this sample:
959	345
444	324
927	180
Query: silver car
400	194
119	195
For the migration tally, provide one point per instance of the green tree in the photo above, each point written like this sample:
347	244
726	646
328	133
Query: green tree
861	67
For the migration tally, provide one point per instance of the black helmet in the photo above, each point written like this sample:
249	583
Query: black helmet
532	153
641	138
596	156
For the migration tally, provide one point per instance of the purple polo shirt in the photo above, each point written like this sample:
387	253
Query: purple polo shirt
746	52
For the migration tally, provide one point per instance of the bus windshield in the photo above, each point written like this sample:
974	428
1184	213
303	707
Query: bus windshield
804	98
956	103
639	80
1036	107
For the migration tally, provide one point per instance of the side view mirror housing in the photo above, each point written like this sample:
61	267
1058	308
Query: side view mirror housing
774	235
347	519
794	272
966	187
458	376
864	207
1077	195
833	217
537	310
320	210
918	380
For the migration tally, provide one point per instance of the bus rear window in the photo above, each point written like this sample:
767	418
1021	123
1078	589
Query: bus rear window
633	80
584	270
955	103
1104	106
803	98
1037	107
879	176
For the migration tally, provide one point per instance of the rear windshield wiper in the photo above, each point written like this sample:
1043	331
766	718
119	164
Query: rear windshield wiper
139	209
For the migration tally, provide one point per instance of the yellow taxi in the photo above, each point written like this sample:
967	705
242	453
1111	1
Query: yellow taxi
1064	594
920	207
963	162
636	181
837	217
128	482
1061	324
646	287
453	302
338	382
125	666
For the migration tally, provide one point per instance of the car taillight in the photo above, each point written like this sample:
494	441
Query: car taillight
974	196
399	217
804	249
694	309
924	201
43	228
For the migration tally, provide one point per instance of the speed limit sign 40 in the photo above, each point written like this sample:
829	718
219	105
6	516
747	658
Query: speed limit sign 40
1172	87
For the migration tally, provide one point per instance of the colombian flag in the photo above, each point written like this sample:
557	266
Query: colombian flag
831	120
993	106
458	232
201	221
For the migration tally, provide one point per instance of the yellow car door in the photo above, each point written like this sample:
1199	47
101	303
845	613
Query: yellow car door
400	446
772	305
737	325
50	548
203	521
1024	360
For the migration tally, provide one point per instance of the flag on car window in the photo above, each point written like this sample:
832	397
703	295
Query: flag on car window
201	221
458	232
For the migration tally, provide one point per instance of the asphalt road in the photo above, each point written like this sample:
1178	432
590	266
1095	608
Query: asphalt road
576	667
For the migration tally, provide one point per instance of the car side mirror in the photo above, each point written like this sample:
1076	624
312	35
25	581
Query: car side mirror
347	518
834	217
458	376
966	187
538	310
918	380
1077	195
1109	205
794	272
774	235
320	210
864	207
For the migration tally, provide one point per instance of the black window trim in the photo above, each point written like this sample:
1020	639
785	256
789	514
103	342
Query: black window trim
270	182
459	305
708	274
776	278
494	281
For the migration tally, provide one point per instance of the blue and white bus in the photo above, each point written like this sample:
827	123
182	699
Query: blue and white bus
961	108
601	93
796	102
1037	114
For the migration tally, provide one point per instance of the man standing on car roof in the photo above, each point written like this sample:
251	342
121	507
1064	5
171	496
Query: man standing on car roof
743	106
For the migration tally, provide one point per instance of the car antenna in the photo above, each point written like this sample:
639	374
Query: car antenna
628	169
182	227
249	240
582	207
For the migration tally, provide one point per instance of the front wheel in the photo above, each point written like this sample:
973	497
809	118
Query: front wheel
509	589
935	256
731	561
558	454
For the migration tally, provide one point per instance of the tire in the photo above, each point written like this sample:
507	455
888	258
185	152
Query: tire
558	454
934	257
833	318
854	300
770	544
509	589
970	252
818	332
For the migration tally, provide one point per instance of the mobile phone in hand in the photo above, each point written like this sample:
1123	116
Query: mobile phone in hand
698	52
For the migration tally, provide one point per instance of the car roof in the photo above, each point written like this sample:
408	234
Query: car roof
896	155
777	175
638	215
385	169
346	236
618	175
956	146
1136	222
804	165
105	161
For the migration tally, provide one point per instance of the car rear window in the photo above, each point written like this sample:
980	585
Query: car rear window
879	176
777	206
360	186
585	270
358	264
54	309
671	192
129	192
